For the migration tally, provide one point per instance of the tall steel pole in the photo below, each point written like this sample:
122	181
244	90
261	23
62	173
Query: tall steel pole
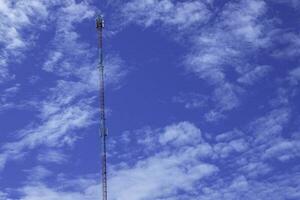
103	129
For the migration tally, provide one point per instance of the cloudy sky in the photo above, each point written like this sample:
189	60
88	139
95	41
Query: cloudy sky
201	99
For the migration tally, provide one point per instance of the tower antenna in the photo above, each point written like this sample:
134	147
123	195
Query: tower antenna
103	129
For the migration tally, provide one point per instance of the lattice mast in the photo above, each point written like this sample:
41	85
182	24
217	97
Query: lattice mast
103	129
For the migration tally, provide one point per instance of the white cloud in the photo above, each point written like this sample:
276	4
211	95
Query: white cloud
228	136
67	54
243	20
6	96
289	43
223	43
55	130
180	134
270	126
283	150
3	196
254	169
254	74
67	106
115	70
294	76
174	164
42	192
221	49
178	158
243	188
191	100
182	164
159	175
70	56
52	156
216	48
15	17
233	146
152	12
38	173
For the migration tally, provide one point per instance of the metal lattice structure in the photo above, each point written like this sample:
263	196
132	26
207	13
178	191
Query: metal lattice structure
103	129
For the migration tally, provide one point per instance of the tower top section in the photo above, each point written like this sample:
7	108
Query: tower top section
99	22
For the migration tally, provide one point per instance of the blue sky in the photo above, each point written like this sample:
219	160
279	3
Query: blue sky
202	99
